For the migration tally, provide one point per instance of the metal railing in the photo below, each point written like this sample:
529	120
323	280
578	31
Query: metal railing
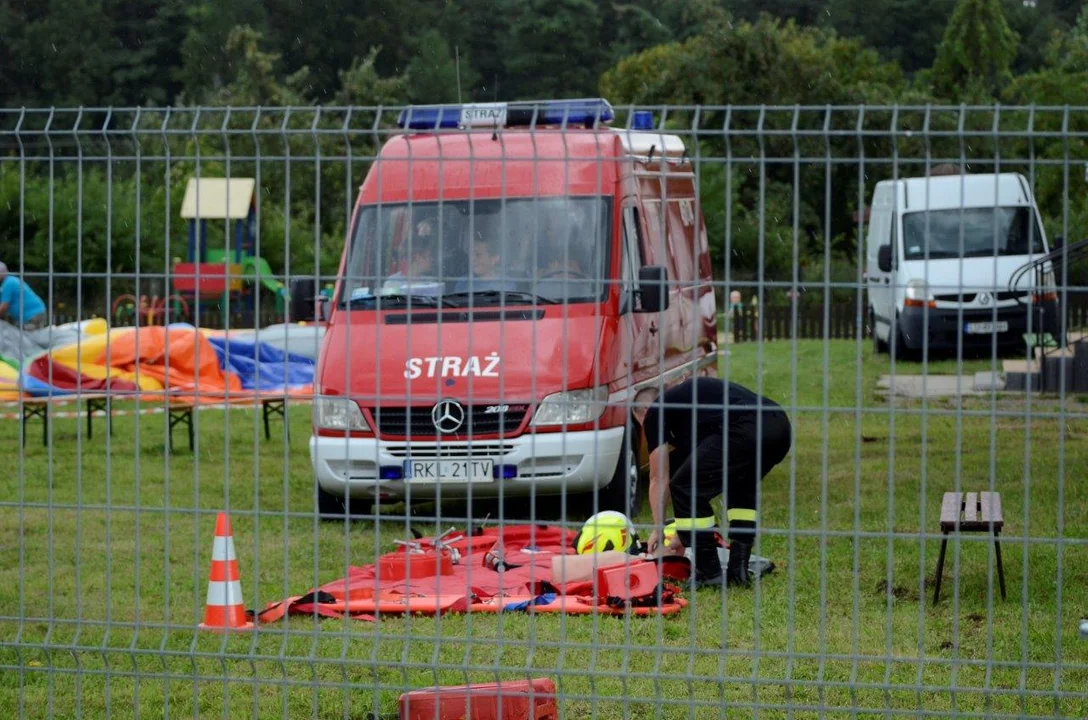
107	537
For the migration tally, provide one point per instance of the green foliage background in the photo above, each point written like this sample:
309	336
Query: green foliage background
269	53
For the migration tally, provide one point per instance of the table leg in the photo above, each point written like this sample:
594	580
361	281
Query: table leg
1000	565
940	569
275	407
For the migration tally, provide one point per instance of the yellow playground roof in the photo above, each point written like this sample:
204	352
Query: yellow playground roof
220	198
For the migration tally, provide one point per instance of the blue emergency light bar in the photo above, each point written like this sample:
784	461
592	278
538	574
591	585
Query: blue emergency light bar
586	112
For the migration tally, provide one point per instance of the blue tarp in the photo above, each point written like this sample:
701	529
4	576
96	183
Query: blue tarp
261	366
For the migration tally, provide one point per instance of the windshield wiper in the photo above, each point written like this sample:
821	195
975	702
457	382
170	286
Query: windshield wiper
509	295
398	299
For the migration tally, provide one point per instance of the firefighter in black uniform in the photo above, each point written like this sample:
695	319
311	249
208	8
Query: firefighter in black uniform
708	437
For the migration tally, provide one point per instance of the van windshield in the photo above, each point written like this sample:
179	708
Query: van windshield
971	232
480	252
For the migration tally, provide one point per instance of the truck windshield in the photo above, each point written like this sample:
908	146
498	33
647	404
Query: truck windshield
480	252
971	232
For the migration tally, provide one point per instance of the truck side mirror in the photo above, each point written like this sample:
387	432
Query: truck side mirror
1058	242
884	258
653	294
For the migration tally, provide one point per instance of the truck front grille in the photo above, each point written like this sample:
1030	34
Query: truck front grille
417	423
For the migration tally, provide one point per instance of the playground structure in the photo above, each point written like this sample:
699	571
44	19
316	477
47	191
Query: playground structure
154	310
231	275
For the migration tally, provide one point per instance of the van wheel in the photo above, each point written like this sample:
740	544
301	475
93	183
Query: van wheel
898	349
329	506
626	491
880	347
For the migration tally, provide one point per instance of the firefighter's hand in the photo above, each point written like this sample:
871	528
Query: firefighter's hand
655	545
654	542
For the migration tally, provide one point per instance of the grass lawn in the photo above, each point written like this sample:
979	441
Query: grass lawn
105	546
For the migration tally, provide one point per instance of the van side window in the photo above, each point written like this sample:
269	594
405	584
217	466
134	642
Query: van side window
632	246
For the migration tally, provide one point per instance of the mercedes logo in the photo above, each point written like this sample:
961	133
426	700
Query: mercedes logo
448	416
983	299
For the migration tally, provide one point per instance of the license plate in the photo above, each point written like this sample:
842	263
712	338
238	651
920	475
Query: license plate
985	328
448	471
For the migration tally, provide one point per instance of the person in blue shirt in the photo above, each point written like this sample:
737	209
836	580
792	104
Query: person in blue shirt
19	305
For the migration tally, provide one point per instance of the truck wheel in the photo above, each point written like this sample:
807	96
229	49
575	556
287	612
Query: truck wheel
626	491
329	506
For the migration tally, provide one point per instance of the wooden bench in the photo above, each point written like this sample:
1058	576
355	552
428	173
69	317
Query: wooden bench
38	407
179	412
275	406
971	512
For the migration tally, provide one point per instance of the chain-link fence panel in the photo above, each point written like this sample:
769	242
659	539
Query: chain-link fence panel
671	412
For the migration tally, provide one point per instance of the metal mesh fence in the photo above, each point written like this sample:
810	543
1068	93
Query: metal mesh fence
373	334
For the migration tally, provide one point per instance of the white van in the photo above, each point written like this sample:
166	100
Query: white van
941	254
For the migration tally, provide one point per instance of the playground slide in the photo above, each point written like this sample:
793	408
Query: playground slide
257	266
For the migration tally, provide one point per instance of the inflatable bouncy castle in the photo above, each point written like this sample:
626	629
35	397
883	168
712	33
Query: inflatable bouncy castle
206	366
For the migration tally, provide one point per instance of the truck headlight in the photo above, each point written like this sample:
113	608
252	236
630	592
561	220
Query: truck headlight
918	294
572	407
337	413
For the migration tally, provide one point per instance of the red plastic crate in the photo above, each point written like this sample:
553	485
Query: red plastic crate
521	700
628	581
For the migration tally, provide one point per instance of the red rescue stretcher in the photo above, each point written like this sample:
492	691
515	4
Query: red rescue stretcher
492	570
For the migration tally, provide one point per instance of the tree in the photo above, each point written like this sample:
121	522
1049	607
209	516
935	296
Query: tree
250	75
630	27
62	52
205	67
433	73
148	36
1063	81
906	31
768	62
324	36
765	63
553	50
976	52
361	84
803	12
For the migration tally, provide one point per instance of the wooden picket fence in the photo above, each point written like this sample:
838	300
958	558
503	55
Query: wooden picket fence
834	322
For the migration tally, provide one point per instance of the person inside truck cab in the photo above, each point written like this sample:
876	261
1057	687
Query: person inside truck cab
562	261
420	265
485	259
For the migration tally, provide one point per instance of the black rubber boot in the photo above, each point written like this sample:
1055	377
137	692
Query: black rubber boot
736	573
707	565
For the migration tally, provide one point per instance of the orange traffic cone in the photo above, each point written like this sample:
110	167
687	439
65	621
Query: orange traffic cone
224	609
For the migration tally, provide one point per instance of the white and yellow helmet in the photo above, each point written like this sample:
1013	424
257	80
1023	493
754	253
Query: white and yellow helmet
607	530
